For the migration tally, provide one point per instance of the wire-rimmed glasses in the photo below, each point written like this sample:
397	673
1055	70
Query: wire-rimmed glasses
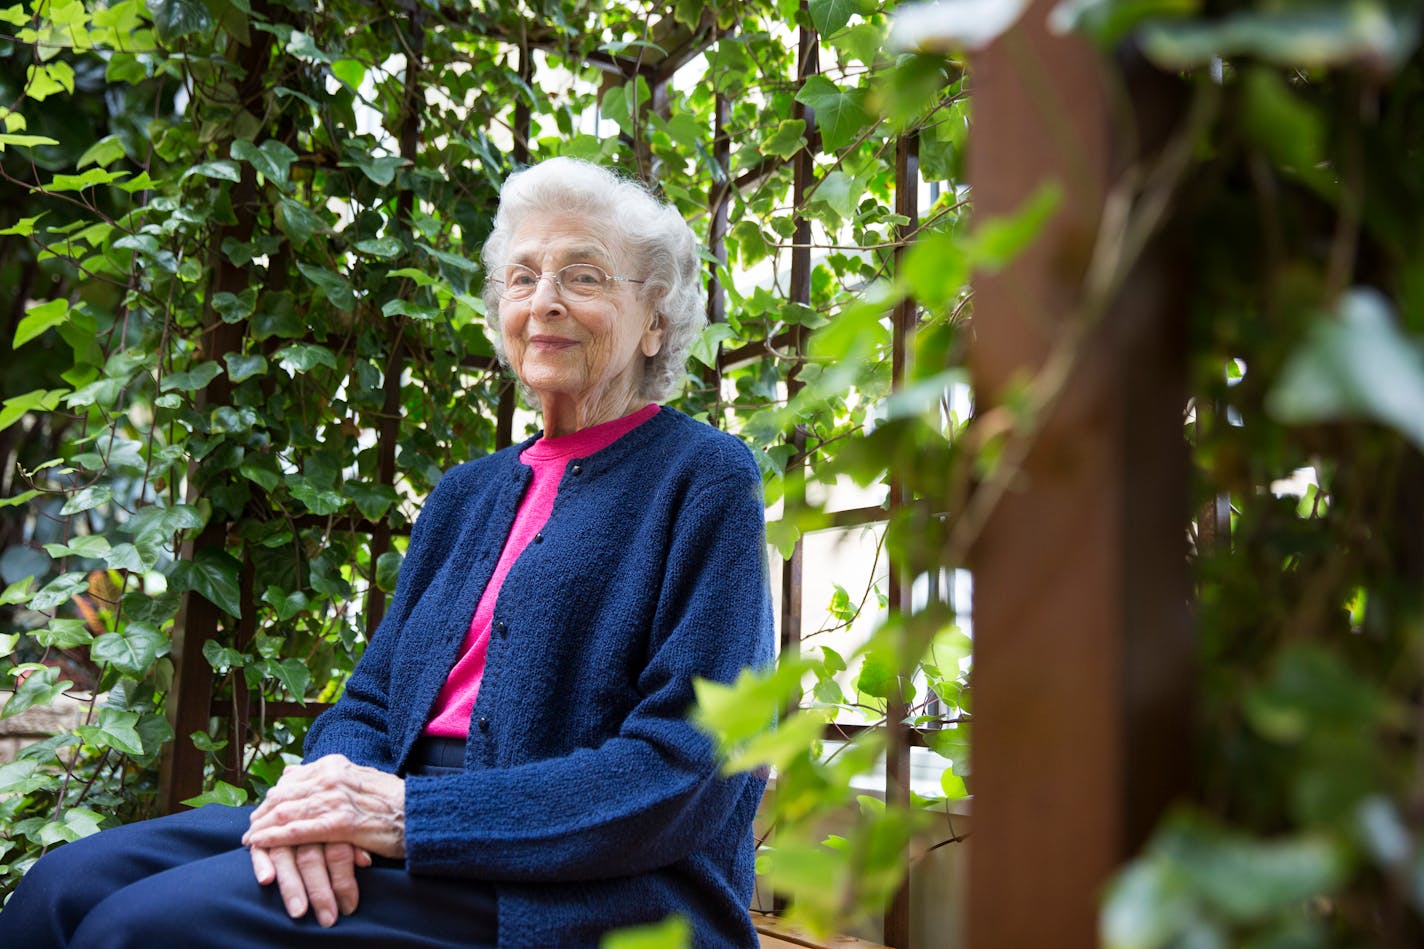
517	282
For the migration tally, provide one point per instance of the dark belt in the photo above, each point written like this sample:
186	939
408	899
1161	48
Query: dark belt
432	755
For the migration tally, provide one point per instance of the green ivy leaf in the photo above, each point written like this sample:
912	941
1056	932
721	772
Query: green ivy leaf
235	307
788	138
261	469
998	241
878	674
335	286
240	368
379	168
704	350
388	570
1357	366
272	159
830	15
299	223
293	674
64	634
23	497
840	113
419	277
746	708
191	380
38	400
60	590
672	933
157	524
17	592
318	500
25	141
221	170
132	651
212	574
115	730
86	545
128	557
350	71
383	247
39	688
222	793
304	357
1313	35
90	178
372	500
175	19
407	308
39	318
222	658
43	80
21	777
793	738
103	153
302	46
288	604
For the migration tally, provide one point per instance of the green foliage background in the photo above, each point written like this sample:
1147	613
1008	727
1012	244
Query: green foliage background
238	239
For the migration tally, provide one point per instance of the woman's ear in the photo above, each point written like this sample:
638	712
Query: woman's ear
652	342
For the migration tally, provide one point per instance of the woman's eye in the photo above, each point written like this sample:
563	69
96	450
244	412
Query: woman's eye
521	278
585	277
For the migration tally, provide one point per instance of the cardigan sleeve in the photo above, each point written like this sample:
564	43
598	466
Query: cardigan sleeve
358	725
653	793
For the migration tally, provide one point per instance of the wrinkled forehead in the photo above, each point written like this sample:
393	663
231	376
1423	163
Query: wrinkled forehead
549	242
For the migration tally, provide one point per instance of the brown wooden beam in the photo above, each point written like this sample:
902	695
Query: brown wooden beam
897	746
1082	642
182	764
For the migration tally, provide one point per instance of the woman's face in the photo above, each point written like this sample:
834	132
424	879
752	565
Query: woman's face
581	349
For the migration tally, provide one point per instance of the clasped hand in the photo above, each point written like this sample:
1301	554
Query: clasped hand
317	825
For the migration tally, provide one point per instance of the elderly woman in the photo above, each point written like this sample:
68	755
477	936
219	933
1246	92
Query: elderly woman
511	762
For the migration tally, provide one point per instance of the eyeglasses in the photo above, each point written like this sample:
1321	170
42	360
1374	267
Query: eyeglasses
574	282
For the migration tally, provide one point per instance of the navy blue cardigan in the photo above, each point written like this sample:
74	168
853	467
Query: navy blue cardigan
588	798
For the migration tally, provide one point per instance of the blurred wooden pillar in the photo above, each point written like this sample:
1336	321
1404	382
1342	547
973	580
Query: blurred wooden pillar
1082	680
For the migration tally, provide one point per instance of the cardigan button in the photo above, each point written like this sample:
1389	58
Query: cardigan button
484	724
578	469
539	537
501	629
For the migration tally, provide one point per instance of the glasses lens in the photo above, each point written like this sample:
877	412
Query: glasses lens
518	282
582	281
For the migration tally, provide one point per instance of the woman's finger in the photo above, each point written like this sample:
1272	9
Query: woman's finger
311	864
289	881
262	867
341	868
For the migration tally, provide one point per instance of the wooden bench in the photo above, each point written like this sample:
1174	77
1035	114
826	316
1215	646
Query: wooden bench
775	934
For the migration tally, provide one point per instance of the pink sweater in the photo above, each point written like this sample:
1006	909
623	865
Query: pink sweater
547	457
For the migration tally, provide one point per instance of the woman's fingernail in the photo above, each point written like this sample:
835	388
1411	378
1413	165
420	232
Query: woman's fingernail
326	918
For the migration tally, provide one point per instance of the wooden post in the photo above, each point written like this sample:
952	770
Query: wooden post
1082	643
189	701
897	744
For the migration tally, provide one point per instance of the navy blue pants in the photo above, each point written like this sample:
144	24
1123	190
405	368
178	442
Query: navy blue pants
186	881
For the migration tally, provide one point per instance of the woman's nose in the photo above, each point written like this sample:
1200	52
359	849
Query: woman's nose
546	297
